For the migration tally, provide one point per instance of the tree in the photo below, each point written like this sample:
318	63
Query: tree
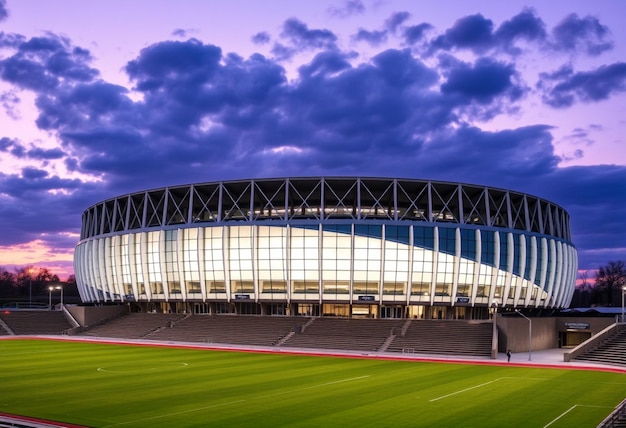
7	283
34	280
582	292
609	282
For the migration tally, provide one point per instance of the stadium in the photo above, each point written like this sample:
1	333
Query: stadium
337	246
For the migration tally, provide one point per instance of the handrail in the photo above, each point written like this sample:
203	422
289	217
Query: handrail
590	344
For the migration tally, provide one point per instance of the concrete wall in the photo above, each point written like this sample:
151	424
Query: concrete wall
513	331
91	315
513	334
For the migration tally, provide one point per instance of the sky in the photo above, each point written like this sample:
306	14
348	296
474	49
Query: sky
103	98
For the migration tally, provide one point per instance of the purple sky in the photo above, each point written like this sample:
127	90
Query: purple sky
103	98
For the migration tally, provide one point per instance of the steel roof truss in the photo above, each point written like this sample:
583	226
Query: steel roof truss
376	205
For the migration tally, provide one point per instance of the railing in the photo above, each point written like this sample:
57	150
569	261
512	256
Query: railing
617	418
591	343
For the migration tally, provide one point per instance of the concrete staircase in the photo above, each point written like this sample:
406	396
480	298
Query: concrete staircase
611	350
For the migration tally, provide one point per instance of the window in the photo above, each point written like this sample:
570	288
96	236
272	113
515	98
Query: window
304	260
337	253
272	259
367	259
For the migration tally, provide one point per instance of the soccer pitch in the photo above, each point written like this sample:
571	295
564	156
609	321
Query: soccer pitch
116	385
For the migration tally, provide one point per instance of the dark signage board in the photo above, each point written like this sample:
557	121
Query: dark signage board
577	325
366	298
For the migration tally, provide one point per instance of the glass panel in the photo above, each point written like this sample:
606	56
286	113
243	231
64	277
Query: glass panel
304	260
241	259
272	259
367	260
447	238
336	260
214	260
154	262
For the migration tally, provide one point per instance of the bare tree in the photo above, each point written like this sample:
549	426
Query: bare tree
609	282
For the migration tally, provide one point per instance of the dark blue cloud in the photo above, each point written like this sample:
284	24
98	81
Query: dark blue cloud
10	100
374	38
10	40
416	33
12	146
586	34
396	20
472	32
4	13
523	26
184	61
348	8
478	34
204	115
40	64
564	86
302	37
482	82
5	144
261	38
46	154
179	32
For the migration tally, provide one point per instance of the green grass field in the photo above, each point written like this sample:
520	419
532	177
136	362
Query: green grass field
109	385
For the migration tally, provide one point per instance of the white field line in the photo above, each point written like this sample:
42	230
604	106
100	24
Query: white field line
177	413
569	410
235	402
163	366
463	390
311	387
484	384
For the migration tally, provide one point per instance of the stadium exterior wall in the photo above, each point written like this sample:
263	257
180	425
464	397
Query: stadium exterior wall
328	240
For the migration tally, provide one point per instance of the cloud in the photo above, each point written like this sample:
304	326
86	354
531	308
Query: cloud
40	64
416	33
481	90
476	33
374	38
4	13
575	34
472	32
563	87
396	20
347	9
46	154
261	38
299	38
10	40
10	100
183	33
523	26
5	144
195	114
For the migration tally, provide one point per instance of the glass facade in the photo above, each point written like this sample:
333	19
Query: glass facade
321	242
336	262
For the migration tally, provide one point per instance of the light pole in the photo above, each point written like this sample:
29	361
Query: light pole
494	334
50	288
530	334
30	287
623	291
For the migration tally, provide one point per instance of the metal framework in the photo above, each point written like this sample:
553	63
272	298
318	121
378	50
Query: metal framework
324	199
328	240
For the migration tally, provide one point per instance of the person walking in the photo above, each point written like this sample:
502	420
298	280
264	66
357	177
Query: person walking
508	356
